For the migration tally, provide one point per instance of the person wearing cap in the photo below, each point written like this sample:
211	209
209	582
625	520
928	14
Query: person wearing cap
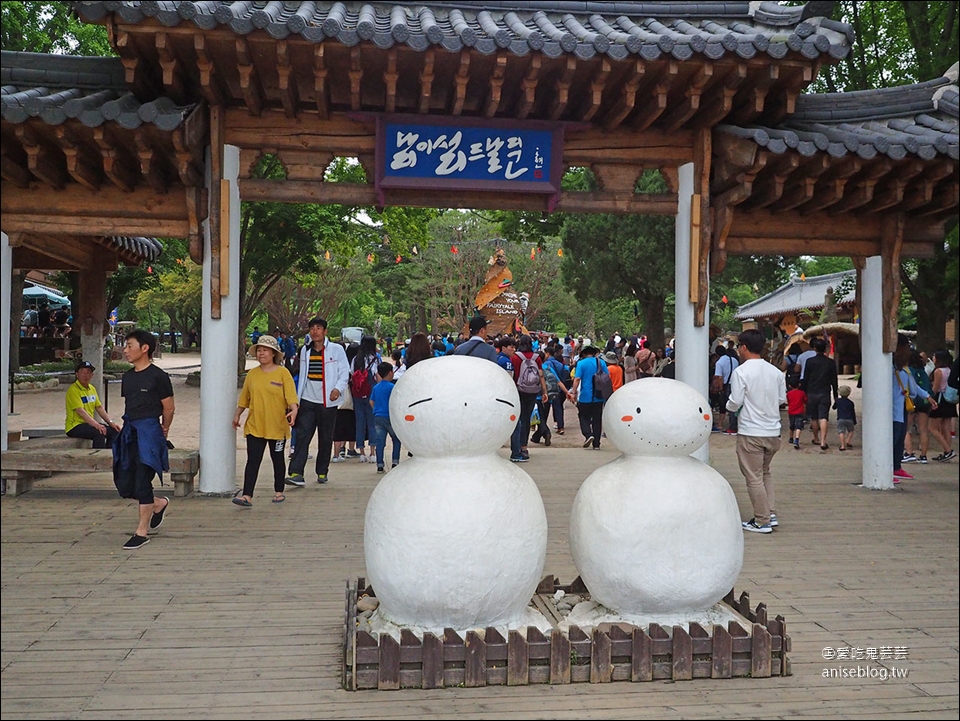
613	367
321	382
477	345
270	398
83	407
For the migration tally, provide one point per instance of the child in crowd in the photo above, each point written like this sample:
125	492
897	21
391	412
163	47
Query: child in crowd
380	402
796	409
846	417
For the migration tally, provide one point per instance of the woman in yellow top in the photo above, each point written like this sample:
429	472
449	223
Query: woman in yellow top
271	398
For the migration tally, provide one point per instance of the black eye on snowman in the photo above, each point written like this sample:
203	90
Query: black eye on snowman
638	409
700	410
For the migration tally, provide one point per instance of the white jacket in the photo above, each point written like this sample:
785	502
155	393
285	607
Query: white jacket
336	371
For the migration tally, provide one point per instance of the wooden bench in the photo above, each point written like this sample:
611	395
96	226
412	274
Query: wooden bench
20	468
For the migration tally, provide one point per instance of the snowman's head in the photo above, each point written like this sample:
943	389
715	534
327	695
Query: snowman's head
657	417
454	406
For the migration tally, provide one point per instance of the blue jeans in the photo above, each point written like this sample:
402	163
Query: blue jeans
382	427
364	414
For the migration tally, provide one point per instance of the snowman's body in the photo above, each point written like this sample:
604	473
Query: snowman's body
656	531
456	537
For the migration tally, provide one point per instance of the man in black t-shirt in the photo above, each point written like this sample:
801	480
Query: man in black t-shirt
140	451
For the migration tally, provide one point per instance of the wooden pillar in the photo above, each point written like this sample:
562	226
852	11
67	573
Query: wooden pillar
692	339
877	375
91	315
701	227
6	268
891	243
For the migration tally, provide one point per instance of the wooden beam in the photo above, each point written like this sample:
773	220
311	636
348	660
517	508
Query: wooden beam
460	81
757	90
339	134
287	80
891	245
216	203
492	104
427	76
119	165
250	85
686	109
722	220
196	203
210	84
320	81
529	92
945	199
45	163
356	78
287	191
617	176
170	66
597	85
390	77
12	169
561	89
151	162
771	188
72	251
628	98
654	107
83	164
892	190
718	101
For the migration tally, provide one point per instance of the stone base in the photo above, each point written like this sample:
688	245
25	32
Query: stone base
748	645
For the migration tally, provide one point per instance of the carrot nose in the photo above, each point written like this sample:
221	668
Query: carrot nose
627	419
409	417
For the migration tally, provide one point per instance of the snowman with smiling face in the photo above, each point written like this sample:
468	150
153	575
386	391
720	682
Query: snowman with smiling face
457	536
656	531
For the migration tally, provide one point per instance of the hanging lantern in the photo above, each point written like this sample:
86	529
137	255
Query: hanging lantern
369	257
533	253
560	252
724	299
453	249
327	255
398	259
149	268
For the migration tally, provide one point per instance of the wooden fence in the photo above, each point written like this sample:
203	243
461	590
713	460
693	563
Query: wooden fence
756	647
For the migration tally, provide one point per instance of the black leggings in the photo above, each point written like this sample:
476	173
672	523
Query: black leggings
255	448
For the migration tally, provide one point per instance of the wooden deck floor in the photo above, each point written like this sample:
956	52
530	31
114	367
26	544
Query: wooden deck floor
233	613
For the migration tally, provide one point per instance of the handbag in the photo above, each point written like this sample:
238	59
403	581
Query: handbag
907	400
602	384
950	395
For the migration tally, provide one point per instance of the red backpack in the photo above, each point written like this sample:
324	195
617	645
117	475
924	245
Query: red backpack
360	385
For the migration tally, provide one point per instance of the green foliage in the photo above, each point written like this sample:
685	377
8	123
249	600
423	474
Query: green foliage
49	27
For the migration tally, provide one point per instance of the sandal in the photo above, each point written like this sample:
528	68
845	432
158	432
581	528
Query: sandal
279	498
824	448
239	500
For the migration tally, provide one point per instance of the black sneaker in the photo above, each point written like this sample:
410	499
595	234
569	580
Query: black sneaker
157	518
948	455
322	478
135	542
380	469
752	525
589	442
295	479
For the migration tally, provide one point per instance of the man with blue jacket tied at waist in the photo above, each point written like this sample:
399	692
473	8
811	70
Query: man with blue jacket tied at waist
140	451
324	373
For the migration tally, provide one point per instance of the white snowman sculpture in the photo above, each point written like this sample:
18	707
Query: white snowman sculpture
456	536
656	531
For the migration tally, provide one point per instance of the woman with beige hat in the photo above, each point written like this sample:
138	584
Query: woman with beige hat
271	398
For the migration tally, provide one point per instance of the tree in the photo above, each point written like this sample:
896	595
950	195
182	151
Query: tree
49	27
611	256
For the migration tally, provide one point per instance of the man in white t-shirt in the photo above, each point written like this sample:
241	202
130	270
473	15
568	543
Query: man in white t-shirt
757	390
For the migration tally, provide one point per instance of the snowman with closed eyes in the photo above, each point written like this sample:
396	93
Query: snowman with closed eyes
456	536
656	531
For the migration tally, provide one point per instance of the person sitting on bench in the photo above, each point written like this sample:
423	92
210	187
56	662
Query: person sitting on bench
83	407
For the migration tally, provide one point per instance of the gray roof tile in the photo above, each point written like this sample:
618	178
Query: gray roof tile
56	88
585	29
797	295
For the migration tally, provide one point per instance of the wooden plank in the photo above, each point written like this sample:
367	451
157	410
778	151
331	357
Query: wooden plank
432	661
641	660
760	652
559	658
722	656
389	668
475	661
518	660
682	654
601	666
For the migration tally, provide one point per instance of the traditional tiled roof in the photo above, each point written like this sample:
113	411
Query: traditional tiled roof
650	30
920	119
56	88
147	248
799	294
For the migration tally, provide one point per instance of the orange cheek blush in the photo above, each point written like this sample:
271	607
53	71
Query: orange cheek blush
513	417
706	416
409	418
627	419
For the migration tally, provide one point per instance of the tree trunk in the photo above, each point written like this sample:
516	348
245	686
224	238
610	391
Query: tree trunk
653	321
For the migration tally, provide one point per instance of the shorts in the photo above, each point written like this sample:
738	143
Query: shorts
818	407
796	422
845	425
944	410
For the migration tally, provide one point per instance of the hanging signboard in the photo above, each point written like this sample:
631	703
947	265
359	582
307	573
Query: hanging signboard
465	154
